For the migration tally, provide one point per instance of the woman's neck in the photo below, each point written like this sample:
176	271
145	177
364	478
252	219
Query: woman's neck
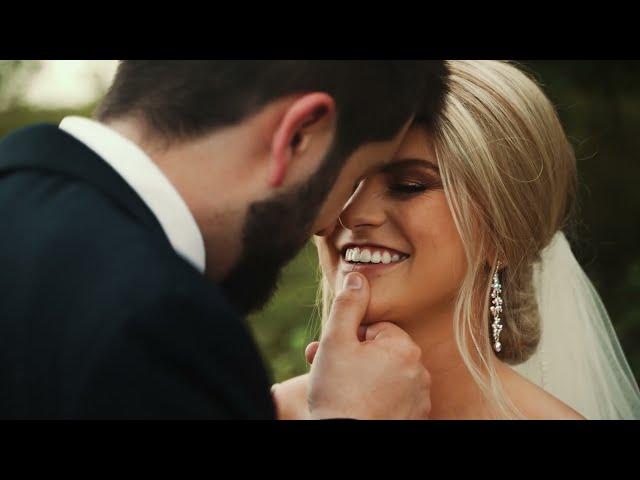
454	393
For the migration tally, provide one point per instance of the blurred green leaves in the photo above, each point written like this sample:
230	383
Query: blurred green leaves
290	321
14	76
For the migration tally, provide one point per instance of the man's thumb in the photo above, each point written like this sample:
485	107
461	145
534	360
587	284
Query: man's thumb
310	352
349	308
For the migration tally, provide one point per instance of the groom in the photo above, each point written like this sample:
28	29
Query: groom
132	245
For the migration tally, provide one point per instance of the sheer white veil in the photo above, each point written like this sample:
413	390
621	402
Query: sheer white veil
579	359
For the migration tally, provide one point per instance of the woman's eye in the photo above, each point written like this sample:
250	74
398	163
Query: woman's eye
407	188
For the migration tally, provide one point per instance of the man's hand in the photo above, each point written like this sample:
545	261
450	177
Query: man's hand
365	373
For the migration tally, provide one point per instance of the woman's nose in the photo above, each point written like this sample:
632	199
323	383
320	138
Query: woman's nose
365	208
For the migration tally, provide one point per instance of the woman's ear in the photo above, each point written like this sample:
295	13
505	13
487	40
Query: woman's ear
293	133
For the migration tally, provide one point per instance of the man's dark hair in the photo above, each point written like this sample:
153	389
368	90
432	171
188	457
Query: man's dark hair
183	99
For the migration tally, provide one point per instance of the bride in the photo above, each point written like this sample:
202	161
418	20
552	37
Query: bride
461	239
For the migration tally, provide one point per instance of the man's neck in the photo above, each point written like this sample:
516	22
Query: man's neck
213	203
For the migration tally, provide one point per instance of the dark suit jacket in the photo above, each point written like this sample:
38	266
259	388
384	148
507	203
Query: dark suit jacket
99	317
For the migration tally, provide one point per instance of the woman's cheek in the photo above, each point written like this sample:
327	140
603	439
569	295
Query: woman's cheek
328	261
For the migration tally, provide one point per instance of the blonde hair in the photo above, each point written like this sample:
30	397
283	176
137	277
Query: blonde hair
509	176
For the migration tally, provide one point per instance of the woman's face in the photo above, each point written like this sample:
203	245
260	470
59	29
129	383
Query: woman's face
398	231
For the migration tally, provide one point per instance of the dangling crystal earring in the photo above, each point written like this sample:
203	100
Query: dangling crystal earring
496	309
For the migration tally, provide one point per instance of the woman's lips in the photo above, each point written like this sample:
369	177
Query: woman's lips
371	254
366	267
347	266
362	258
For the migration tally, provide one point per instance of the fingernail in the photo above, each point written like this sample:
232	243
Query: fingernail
352	281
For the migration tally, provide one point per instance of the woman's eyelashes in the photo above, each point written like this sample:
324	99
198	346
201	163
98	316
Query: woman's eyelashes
405	187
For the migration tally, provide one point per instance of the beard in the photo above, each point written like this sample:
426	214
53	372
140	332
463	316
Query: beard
274	232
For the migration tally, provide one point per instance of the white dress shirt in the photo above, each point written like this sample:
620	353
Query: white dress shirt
147	180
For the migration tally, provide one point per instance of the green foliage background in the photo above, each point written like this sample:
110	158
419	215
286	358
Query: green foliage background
599	105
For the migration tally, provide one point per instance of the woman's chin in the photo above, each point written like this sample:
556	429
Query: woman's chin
381	311
386	300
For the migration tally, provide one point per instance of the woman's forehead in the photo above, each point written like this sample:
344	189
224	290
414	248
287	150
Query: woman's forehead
416	144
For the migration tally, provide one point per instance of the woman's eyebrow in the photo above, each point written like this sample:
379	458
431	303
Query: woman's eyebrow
409	162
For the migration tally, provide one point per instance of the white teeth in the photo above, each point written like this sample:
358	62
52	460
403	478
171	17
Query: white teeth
355	255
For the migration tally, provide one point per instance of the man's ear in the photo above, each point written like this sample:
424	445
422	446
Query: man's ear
292	137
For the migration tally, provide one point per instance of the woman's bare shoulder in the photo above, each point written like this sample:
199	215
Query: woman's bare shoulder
291	398
536	403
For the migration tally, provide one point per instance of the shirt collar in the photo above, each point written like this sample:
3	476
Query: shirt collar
147	180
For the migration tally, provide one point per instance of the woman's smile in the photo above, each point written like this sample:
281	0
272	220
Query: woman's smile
365	257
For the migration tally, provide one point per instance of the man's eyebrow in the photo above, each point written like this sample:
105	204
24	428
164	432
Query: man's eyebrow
409	162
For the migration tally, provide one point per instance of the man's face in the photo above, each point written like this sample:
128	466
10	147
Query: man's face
275	230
